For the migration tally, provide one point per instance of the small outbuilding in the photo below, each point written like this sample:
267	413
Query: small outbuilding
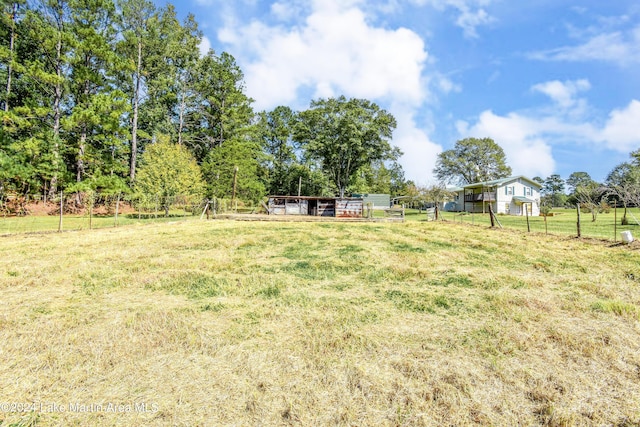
351	207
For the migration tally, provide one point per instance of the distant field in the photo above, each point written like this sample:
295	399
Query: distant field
265	323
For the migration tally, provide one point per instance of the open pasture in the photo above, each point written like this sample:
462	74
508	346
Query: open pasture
268	323
563	222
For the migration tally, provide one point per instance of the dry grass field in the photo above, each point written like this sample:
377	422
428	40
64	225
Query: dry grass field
266	323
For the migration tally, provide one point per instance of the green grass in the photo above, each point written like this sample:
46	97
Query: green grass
50	223
562	223
273	323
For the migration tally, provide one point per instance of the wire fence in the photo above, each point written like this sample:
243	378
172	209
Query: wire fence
82	211
563	222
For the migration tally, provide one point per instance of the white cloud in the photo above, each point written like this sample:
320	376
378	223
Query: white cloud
620	133
528	140
420	153
526	150
619	47
563	93
469	20
205	45
336	51
471	13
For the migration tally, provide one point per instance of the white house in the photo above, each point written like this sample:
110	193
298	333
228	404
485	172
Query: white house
510	196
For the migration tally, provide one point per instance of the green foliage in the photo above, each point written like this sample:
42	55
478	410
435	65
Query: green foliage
167	171
553	189
345	136
275	128
224	112
220	166
577	180
92	81
472	160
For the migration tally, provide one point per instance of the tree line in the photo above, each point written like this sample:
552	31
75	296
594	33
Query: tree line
620	187
115	96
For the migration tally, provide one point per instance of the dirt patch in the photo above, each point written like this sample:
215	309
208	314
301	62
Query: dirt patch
40	208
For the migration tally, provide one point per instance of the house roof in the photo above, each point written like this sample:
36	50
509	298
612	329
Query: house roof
502	181
523	199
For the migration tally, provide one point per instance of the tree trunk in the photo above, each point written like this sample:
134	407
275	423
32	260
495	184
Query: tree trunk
134	125
181	117
11	49
57	113
83	134
81	150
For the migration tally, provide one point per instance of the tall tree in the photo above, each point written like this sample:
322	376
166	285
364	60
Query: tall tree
10	15
137	20
554	188
345	135
171	55
186	42
577	180
46	26
472	160
276	128
224	111
97	107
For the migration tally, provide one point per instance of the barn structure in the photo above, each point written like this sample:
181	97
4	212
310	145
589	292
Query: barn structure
351	207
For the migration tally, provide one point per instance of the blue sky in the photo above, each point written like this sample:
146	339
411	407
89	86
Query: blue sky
554	82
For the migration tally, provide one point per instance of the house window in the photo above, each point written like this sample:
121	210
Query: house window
528	191
509	190
506	208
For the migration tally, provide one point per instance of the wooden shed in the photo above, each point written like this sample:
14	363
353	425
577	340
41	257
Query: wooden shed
316	206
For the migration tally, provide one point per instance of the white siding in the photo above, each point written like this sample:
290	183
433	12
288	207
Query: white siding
519	188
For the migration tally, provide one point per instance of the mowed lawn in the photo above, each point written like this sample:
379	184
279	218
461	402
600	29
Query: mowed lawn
270	323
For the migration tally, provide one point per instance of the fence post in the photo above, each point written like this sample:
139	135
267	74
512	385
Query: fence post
615	222
115	220
61	209
578	209
493	223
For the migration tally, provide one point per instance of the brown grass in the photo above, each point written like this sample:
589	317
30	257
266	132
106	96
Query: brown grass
227	323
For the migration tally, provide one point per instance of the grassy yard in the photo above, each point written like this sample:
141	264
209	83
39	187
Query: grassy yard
268	323
562	223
